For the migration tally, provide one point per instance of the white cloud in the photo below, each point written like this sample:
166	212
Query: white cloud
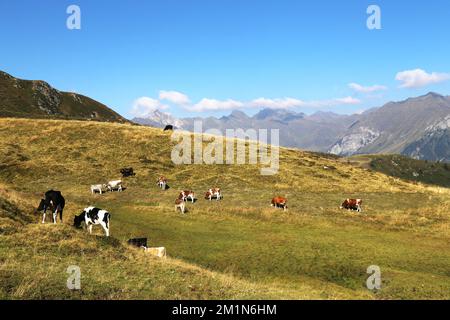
215	105
346	100
283	103
145	106
369	89
175	97
419	78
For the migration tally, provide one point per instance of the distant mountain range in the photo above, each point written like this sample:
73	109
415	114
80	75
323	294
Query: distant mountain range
37	99
416	127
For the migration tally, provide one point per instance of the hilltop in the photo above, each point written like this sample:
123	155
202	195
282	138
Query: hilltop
236	248
37	99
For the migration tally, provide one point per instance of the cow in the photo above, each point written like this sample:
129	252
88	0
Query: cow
54	200
213	193
159	252
127	172
179	204
162	182
98	188
352	204
169	127
115	184
186	194
279	202
138	242
91	216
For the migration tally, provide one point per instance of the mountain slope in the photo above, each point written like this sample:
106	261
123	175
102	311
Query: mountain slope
37	99
313	250
316	132
417	127
159	119
400	127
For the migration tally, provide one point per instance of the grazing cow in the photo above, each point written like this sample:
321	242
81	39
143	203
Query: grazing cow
169	127
162	182
138	242
179	204
127	172
115	184
98	188
213	193
159	252
54	200
91	216
186	194
352	204
279	202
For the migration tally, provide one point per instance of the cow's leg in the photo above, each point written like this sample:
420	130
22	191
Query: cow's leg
55	215
90	228
105	228
43	217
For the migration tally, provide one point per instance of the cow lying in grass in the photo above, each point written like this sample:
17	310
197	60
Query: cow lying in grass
279	202
352	204
93	216
55	201
213	193
159	252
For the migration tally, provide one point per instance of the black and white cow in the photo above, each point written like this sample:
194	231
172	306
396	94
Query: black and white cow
138	242
91	216
55	201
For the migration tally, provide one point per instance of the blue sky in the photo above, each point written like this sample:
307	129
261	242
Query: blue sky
226	54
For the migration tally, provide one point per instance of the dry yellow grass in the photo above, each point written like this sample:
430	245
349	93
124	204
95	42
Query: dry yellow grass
236	248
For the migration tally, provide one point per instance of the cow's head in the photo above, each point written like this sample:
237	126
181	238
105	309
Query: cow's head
77	220
42	205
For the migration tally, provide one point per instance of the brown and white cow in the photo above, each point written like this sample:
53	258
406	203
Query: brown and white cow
162	182
179	204
213	193
279	202
187	194
352	204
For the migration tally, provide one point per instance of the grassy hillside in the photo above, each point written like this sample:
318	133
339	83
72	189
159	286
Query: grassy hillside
239	247
406	168
37	99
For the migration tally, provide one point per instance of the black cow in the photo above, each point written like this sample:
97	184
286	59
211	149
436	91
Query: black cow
55	201
169	127
127	172
138	242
